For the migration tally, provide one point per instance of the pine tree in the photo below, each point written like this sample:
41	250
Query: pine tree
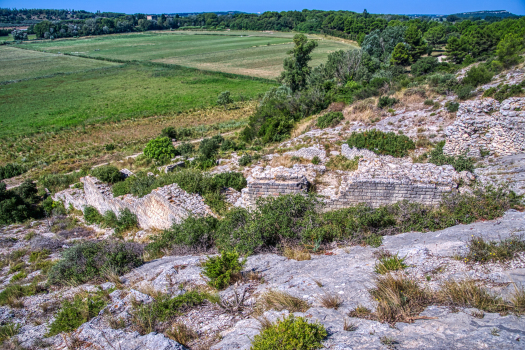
417	46
456	50
400	56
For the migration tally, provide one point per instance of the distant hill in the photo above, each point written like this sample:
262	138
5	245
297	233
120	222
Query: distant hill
218	13
483	14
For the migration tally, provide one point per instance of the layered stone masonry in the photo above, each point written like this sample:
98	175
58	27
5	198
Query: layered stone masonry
487	126
159	209
379	180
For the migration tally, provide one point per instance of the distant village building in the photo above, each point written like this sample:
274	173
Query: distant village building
151	17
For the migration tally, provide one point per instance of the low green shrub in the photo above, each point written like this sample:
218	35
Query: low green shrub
329	120
386	102
11	170
230	179
73	314
290	333
460	163
389	263
483	251
90	260
185	149
316	160
19	204
12	292
92	216
340	162
464	92
147	317
220	269
452	106
8	331
107	173
503	92
382	143
424	66
160	148
59	182
477	76
245	160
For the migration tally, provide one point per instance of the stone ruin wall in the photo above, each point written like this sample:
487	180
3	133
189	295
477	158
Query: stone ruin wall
159	209
486	125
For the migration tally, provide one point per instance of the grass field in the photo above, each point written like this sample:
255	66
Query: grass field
257	54
112	94
17	64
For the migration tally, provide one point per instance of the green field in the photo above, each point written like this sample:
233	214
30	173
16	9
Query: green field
247	53
112	94
17	64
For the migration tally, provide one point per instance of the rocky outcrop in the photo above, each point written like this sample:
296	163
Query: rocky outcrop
159	209
487	126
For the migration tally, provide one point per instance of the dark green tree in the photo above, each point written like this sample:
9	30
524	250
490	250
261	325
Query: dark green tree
400	56
296	69
508	49
456	49
417	46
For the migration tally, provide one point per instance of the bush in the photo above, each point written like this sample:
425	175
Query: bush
209	148
386	102
329	120
88	261
59	182
160	148
169	132
382	143
316	160
245	160
460	163
73	314
230	179
17	205
185	149
107	173
11	170
477	76
92	216
452	106
424	65
224	99
464	92
220	269
291	333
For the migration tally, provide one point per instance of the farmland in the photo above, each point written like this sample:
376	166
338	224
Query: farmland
247	53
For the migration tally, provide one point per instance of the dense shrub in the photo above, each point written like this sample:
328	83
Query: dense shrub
245	160
382	143
185	149
160	148
107	173
460	163
503	92
385	101
329	120
464	92
88	261
452	106
92	216
59	182
424	66
18	205
13	292
477	76
230	179
220	269
73	314
290	333
169	132
11	170
224	98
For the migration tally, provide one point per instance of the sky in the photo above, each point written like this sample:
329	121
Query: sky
372	6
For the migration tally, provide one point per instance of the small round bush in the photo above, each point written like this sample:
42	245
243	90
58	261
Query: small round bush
464	92
382	143
185	149
92	216
452	106
245	160
385	101
107	173
477	76
316	160
220	269
230	179
291	333
160	148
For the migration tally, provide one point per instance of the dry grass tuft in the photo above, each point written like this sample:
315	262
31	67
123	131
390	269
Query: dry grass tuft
361	312
467	293
297	253
288	161
330	301
363	111
349	326
340	162
181	333
265	323
278	301
399	299
517	299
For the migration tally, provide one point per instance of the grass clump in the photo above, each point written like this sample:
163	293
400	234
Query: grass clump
278	301
296	253
291	333
330	301
382	143
389	262
460	163
88	261
74	313
13	292
329	120
386	102
8	331
340	162
483	251
467	293
222	268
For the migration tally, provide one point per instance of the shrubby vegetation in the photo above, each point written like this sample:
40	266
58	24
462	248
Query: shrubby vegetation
290	333
125	220
88	261
160	148
329	120
504	91
460	163
107	173
11	170
297	219
19	204
382	143
222	268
